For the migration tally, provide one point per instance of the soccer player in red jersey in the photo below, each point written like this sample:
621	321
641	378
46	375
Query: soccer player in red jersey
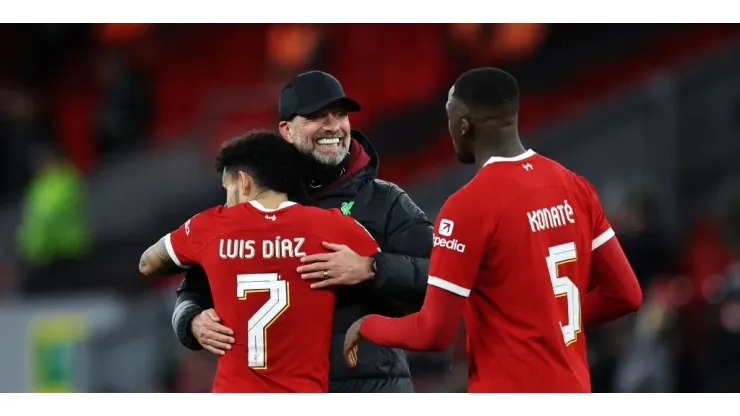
523	252
250	250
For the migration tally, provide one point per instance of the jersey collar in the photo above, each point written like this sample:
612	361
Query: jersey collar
262	208
525	155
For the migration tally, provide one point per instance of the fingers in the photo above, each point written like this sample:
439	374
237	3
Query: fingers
313	267
353	356
332	246
217	328
211	313
213	341
351	339
211	323
213	350
316	257
350	355
216	347
313	276
216	337
326	283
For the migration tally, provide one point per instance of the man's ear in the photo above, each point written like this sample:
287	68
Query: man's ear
466	128
284	128
246	183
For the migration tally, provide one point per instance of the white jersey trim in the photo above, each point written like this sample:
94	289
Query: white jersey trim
171	252
603	238
262	208
448	286
525	155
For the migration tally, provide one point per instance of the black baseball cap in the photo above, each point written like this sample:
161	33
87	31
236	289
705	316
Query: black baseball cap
311	91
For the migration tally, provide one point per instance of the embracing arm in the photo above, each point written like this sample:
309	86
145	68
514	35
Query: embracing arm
193	297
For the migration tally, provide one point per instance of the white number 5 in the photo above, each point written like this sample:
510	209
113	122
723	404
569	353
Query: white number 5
278	302
563	286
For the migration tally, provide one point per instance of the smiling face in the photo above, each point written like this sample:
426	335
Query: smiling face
325	135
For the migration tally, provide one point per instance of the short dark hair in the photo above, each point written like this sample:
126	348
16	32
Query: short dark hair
487	89
271	161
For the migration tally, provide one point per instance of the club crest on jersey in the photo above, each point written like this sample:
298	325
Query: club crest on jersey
346	207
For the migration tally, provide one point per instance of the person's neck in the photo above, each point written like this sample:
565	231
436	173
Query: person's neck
270	200
504	147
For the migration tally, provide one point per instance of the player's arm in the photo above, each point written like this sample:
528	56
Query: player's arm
433	328
195	288
193	297
455	261
156	261
194	294
403	266
617	291
176	250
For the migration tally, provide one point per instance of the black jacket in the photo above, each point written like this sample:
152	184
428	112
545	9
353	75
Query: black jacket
404	235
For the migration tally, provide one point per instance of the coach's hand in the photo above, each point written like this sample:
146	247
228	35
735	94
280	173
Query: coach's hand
351	341
340	267
209	333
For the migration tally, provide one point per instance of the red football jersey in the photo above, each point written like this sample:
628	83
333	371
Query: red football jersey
282	327
523	230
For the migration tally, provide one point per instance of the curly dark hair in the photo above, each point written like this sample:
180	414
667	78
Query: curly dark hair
272	162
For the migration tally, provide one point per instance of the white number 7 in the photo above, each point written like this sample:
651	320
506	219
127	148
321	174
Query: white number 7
563	286
278	302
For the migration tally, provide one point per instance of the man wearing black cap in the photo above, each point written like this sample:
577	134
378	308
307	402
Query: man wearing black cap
340	171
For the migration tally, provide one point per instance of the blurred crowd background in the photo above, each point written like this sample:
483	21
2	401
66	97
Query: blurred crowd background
108	131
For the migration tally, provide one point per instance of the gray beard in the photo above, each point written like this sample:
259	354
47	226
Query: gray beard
332	160
324	158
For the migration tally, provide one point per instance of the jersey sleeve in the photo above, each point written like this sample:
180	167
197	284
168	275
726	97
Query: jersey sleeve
359	238
602	230
185	243
458	246
617	291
